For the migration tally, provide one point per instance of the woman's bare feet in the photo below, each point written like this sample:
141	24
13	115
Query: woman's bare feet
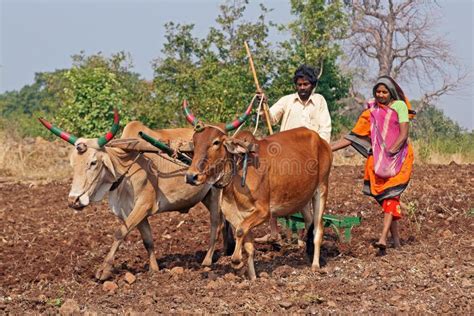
381	248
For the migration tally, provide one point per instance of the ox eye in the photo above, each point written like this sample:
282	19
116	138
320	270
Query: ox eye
93	163
216	142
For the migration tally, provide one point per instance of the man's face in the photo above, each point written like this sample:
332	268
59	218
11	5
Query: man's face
304	88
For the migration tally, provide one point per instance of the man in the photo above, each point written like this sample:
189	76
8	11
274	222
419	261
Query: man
303	108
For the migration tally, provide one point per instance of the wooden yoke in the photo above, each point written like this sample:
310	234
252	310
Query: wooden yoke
259	90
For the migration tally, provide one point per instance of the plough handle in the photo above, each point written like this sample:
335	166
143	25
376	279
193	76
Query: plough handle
259	90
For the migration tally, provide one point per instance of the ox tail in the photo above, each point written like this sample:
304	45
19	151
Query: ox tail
229	240
310	242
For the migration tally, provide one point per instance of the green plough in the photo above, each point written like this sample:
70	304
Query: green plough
338	223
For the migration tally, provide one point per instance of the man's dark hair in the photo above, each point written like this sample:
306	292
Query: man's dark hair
307	72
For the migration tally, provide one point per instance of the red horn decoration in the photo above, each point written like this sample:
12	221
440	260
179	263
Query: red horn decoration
229	127
115	127
101	141
189	116
58	132
240	120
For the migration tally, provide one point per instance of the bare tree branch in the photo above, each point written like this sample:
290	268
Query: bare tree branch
398	36
449	86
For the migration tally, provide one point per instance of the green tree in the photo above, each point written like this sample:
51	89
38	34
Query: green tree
432	123
19	109
436	133
212	73
80	99
314	40
91	89
29	99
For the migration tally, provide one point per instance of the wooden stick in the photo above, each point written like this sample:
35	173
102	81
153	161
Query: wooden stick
259	90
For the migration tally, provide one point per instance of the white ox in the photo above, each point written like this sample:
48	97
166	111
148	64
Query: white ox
139	185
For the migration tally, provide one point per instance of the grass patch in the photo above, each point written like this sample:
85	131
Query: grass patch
56	302
444	150
33	158
411	210
439	151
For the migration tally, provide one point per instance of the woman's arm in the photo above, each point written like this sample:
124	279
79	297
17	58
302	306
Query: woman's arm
342	143
402	138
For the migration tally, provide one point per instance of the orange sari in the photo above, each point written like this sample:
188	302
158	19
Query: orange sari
375	186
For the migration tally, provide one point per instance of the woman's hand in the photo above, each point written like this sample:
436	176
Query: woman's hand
402	138
393	151
342	143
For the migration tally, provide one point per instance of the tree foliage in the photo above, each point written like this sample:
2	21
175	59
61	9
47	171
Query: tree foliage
89	92
433	124
315	35
212	73
18	107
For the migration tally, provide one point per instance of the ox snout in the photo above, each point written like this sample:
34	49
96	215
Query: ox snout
191	178
75	203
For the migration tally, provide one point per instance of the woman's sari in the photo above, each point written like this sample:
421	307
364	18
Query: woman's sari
386	175
384	131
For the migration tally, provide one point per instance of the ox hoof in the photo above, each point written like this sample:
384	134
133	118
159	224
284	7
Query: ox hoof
106	275
235	259
237	265
103	274
153	267
206	262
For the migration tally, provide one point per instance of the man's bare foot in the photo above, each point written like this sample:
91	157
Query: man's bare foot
268	239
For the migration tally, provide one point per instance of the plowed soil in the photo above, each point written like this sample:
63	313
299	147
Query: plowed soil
49	254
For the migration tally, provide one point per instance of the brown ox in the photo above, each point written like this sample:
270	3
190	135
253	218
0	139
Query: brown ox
139	185
286	171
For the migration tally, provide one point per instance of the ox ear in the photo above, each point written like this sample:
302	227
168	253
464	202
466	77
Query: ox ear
108	164
235	146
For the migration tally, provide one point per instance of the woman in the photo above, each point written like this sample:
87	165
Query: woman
381	135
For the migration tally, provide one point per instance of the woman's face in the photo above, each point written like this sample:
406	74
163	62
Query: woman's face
382	95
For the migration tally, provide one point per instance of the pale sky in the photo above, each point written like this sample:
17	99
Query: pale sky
42	35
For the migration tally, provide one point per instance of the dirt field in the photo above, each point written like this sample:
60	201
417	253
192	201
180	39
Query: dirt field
49	255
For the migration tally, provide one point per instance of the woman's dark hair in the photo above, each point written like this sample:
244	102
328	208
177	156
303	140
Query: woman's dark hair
307	72
397	94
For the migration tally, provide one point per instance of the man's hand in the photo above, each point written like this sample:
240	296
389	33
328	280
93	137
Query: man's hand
260	96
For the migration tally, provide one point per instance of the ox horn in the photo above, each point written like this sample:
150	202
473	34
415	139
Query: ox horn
101	141
58	132
189	115
228	127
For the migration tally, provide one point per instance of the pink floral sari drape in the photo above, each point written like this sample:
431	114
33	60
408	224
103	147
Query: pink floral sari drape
384	131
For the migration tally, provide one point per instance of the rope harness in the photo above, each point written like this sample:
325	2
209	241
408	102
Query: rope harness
120	179
229	175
